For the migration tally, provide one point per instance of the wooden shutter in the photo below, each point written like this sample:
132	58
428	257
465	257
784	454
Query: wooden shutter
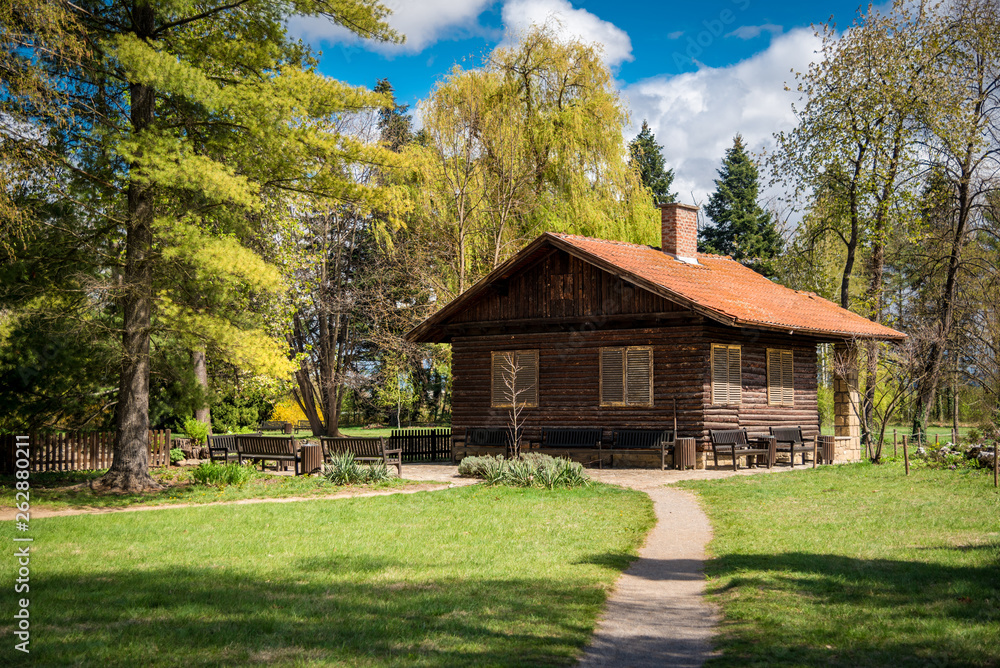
735	375
727	383
639	376
774	395
526	381
612	376
780	378
525	376
787	378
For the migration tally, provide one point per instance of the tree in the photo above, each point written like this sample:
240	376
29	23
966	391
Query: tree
646	156
741	227
529	142
188	155
960	111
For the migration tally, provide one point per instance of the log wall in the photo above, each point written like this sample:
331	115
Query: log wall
754	410
569	381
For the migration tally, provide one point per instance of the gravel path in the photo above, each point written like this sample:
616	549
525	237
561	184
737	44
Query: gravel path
657	614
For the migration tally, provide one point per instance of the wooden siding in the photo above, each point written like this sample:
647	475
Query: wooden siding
569	380
754	410
561	286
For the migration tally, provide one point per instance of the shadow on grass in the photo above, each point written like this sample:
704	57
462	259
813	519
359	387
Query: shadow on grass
346	611
820	609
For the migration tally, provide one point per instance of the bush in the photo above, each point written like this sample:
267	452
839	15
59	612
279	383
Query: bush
196	430
233	412
176	455
220	475
530	470
343	470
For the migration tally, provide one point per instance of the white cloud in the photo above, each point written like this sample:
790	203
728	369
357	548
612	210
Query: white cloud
695	115
423	23
520	15
750	32
677	34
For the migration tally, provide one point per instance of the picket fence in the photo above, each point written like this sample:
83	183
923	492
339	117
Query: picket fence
76	451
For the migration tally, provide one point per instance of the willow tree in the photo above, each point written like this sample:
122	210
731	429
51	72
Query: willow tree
188	148
531	141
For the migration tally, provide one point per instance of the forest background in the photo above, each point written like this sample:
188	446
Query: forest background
200	227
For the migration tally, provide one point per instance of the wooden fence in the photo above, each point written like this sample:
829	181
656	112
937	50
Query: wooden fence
423	444
80	451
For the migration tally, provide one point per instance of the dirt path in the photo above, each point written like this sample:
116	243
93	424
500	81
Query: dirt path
430	474
657	614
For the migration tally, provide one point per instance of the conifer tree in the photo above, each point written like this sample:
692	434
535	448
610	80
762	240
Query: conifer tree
741	227
646	156
184	133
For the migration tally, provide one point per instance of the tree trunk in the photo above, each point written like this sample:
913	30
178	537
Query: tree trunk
130	464
204	413
946	313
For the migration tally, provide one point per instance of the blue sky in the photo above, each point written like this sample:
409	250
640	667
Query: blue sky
698	71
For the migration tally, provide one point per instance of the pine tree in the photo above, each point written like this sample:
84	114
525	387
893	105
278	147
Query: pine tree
646	156
183	150
741	227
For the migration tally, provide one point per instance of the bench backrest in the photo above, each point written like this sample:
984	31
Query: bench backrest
787	434
490	436
304	424
728	436
265	445
642	438
272	425
361	446
568	437
227	441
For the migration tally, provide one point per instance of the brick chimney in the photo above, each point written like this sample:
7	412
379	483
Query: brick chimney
679	231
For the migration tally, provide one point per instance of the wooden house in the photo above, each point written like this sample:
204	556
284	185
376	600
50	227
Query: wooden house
610	334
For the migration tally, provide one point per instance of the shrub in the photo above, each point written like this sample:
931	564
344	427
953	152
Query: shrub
196	430
343	470
474	467
220	475
176	455
530	470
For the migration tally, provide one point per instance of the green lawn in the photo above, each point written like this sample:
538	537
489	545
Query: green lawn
61	490
469	576
856	566
942	432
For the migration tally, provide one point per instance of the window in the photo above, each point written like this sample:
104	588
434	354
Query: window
627	376
727	386
780	378
514	375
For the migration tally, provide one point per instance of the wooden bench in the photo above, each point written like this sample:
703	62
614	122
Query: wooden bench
496	440
278	449
789	439
303	425
734	443
364	450
223	446
569	441
272	425
625	441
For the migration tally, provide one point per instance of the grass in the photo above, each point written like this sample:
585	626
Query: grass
943	432
462	577
856	566
68	489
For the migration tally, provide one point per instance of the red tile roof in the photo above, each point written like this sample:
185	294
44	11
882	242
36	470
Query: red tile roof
718	287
